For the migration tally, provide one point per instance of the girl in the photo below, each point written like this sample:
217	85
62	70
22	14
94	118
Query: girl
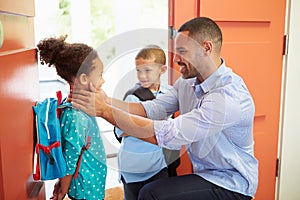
79	65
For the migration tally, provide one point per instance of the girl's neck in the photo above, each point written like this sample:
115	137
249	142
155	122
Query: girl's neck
71	88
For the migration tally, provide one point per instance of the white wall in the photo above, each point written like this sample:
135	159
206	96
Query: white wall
289	177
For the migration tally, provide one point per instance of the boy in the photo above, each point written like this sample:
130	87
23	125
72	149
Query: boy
141	162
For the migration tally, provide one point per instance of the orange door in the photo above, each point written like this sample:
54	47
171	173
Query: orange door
253	33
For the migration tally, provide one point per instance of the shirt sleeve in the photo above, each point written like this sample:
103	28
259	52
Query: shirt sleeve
213	114
163	106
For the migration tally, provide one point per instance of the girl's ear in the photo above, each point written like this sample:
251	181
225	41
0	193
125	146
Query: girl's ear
163	69
83	79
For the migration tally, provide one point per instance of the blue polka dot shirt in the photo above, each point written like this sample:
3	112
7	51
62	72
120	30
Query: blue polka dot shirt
76	126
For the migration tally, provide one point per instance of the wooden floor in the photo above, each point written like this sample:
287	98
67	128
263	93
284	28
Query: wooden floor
115	193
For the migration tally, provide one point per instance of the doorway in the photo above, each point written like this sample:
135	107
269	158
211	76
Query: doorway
117	34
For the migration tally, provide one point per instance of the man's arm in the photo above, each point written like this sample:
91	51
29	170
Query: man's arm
116	112
137	126
88	101
135	108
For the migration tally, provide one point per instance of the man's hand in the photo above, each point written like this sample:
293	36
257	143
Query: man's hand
91	101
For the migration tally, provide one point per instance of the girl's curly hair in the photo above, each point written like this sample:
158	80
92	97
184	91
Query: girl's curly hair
69	60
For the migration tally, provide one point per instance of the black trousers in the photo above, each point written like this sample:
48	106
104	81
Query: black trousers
131	190
187	187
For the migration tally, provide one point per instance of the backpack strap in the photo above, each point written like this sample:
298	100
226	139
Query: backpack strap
83	148
143	94
47	150
130	91
59	102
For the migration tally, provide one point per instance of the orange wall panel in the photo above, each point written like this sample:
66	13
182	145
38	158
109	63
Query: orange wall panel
234	10
20	7
184	10
18	32
19	91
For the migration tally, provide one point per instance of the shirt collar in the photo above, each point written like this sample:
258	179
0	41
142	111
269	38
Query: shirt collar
163	88
210	82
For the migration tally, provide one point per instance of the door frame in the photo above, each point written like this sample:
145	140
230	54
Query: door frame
289	138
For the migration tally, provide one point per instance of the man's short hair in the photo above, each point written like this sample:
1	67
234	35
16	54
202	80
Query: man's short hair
202	29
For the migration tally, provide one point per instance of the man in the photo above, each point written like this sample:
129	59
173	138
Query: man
215	121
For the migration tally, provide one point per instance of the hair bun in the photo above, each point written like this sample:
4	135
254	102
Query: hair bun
49	49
